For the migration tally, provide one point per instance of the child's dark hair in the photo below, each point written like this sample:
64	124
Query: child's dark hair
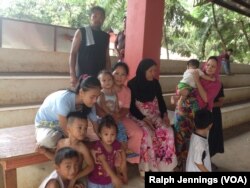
65	153
76	115
203	118
121	64
105	72
213	58
97	8
86	83
194	63
230	50
107	121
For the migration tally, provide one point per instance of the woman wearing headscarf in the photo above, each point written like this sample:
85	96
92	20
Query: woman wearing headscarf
149	110
202	97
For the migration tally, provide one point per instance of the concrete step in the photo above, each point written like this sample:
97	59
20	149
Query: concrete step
18	115
235	115
23	115
18	89
232	96
169	82
24	88
178	67
18	60
232	115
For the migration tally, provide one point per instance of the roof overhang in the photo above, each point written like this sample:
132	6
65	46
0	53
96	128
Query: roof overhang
239	6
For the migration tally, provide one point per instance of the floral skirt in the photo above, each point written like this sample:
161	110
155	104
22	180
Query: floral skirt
183	128
157	147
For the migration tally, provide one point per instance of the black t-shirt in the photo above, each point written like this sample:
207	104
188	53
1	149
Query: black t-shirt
92	59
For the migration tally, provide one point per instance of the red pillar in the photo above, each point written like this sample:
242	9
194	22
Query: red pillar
143	32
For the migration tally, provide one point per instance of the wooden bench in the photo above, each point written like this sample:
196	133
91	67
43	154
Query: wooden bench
17	149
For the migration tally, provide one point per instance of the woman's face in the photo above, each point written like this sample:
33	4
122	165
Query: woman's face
150	73
89	97
120	76
211	67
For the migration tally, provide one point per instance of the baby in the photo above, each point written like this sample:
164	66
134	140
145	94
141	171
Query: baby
187	84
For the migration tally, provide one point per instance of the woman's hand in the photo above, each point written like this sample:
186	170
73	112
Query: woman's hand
116	116
200	88
166	119
149	123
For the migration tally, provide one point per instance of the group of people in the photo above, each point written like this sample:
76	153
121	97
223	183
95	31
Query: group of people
203	95
128	119
89	130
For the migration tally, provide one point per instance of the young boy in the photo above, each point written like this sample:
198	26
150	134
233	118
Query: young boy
66	168
77	127
198	159
187	84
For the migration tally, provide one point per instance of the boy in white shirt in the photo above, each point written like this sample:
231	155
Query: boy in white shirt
198	159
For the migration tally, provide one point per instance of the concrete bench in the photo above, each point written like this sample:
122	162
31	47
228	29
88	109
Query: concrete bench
17	149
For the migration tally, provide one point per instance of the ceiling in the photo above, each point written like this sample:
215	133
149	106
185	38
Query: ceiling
239	6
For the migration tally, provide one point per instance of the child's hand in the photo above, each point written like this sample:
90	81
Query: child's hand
116	182
72	183
118	159
124	178
79	186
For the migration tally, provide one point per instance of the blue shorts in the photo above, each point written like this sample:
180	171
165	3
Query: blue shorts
121	135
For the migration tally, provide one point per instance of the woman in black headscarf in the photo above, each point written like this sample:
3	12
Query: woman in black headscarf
149	110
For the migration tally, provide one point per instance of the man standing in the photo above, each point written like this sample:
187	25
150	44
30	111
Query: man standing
90	48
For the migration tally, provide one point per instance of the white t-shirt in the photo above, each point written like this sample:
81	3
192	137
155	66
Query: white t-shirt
59	103
53	176
198	153
188	77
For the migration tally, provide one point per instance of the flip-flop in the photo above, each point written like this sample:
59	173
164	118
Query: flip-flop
131	155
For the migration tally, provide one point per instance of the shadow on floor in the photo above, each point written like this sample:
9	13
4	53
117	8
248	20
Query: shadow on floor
237	150
236	131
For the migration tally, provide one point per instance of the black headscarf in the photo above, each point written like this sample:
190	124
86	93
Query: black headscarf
143	89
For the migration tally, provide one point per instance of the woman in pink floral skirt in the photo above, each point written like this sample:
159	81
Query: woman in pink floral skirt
149	110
